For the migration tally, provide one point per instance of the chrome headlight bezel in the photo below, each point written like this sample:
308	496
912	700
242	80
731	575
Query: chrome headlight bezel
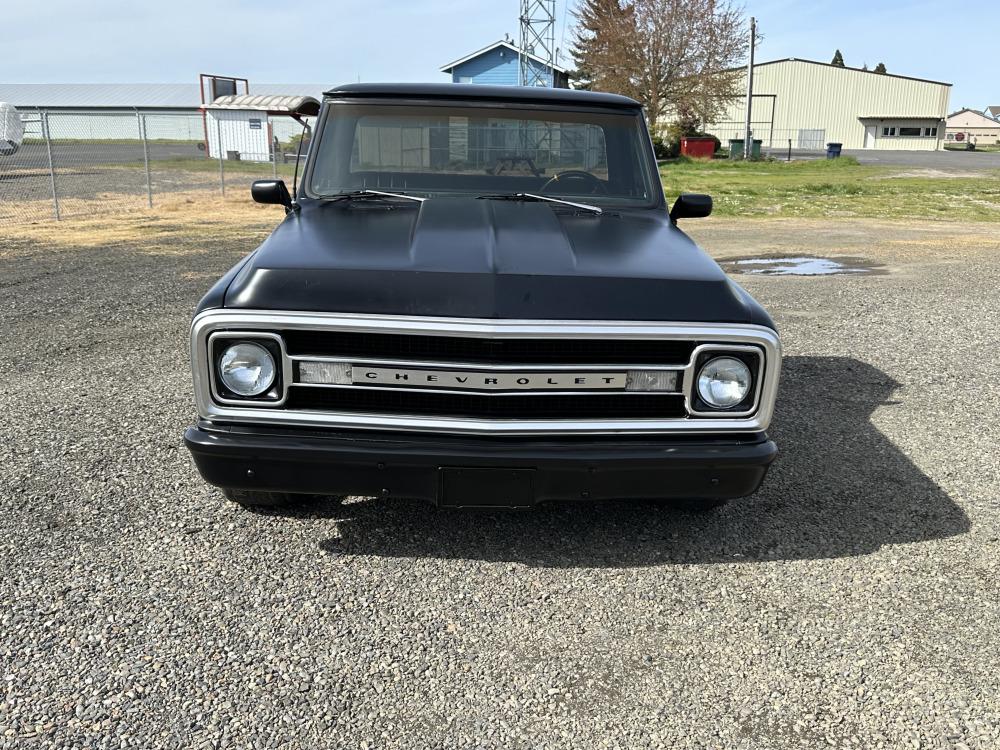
751	356
274	395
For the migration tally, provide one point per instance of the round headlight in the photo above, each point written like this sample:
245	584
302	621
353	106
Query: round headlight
724	382
247	369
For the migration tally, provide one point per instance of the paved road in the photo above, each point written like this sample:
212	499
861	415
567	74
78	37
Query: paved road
946	161
949	161
853	603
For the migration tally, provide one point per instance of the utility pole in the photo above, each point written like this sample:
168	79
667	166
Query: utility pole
748	133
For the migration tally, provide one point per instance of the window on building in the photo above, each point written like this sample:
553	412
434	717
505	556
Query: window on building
887	131
950	136
930	132
909	132
223	87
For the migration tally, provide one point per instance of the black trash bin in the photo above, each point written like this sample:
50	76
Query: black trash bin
833	150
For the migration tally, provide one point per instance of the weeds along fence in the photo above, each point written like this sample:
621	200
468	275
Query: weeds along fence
775	142
73	163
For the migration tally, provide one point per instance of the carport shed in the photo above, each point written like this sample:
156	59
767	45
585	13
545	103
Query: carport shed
242	123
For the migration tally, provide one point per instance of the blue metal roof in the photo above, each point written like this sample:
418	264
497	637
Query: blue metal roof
502	43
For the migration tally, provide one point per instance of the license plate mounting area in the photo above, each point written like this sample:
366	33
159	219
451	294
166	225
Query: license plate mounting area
465	487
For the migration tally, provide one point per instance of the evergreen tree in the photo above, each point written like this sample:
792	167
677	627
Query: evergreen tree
600	46
880	69
838	59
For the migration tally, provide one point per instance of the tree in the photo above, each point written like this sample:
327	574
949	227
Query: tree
679	54
838	59
688	50
880	69
865	66
600	47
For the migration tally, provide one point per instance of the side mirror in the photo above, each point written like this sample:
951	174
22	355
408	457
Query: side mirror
691	206
271	191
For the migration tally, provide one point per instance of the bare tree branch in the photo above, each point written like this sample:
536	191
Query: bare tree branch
674	55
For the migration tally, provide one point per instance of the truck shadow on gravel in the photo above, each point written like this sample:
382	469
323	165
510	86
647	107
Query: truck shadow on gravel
839	488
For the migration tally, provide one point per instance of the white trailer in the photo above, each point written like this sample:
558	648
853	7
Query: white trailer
11	129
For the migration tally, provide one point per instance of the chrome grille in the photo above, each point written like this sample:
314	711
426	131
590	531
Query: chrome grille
487	406
485	350
452	344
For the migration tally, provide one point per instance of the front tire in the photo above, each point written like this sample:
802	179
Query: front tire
258	499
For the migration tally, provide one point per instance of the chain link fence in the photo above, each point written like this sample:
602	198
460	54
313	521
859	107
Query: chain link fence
776	143
73	163
84	163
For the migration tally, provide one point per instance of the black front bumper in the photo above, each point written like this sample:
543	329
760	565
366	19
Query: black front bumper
485	472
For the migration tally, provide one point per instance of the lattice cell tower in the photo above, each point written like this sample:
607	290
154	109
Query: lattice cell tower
538	38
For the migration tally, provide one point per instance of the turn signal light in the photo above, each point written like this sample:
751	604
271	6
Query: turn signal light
325	373
652	380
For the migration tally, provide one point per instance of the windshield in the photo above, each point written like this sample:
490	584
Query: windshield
472	151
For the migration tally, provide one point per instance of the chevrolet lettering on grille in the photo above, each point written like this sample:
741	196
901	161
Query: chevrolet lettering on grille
488	380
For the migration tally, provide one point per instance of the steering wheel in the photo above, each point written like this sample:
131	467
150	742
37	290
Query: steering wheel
591	185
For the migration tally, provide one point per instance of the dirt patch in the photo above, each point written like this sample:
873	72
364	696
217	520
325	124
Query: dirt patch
888	243
180	223
941	174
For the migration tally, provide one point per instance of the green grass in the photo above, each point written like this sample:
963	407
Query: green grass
230	166
834	188
261	169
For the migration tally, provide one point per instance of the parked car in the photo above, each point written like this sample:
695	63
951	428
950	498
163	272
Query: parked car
478	297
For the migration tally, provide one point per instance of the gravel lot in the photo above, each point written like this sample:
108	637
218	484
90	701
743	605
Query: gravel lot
853	603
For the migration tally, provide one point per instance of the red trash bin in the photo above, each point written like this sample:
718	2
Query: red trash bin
698	148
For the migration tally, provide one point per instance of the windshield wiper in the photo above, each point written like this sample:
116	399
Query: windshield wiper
354	195
533	197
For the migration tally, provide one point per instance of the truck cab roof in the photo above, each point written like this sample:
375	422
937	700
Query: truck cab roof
482	93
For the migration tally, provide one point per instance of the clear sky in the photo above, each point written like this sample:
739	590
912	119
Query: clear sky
335	41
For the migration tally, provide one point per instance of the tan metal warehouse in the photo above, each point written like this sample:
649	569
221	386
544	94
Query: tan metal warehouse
805	105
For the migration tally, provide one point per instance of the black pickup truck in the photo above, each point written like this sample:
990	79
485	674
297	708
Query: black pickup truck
479	297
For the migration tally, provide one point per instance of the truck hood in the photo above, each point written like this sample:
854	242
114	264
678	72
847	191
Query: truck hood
462	257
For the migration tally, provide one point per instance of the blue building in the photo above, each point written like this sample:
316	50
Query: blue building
498	65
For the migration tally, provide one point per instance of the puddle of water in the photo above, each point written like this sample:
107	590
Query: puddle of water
800	266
